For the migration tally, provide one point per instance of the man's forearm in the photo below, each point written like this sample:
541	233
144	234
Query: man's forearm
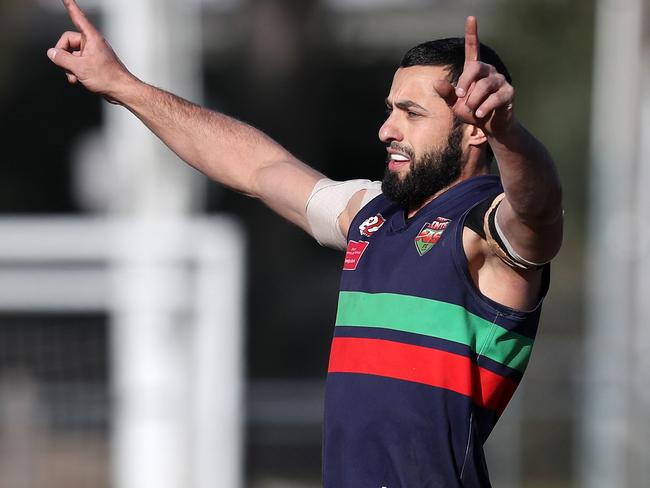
529	176
225	149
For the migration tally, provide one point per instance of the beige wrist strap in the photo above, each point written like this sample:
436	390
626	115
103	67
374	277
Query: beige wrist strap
498	242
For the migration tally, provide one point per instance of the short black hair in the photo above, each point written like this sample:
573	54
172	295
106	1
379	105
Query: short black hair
450	53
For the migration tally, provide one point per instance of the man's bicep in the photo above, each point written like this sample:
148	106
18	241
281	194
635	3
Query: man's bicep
286	186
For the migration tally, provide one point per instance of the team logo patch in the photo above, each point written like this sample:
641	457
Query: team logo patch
430	234
371	225
353	254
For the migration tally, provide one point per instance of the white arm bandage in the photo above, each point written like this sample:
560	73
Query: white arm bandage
327	202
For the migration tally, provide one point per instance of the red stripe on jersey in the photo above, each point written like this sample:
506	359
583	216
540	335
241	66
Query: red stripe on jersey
421	365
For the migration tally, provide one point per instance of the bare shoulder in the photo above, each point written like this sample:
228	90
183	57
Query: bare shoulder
514	288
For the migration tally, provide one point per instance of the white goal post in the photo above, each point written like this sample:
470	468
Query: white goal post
173	292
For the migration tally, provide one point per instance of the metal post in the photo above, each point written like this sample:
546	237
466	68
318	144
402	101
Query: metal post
218	416
151	326
150	336
639	417
615	299
159	40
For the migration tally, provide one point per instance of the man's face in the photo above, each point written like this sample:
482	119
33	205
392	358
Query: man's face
422	141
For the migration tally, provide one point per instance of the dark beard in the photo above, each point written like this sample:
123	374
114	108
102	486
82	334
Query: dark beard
435	170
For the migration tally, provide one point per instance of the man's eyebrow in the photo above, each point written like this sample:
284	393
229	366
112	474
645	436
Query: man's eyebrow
405	105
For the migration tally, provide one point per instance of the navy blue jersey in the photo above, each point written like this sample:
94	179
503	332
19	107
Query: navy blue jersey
422	364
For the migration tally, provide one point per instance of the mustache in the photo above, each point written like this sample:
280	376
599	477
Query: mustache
396	146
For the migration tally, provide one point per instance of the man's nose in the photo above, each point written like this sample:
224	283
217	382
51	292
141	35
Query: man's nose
389	131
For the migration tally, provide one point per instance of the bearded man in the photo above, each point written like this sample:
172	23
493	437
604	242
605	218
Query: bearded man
446	265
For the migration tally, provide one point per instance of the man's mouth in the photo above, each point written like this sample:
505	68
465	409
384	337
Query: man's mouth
397	160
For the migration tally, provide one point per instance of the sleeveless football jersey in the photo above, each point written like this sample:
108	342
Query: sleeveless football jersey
422	364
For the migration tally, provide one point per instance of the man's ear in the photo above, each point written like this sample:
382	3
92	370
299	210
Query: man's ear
474	135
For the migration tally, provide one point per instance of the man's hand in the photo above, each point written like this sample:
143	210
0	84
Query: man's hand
482	96
86	56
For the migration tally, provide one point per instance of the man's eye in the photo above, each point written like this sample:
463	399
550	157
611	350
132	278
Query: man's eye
412	114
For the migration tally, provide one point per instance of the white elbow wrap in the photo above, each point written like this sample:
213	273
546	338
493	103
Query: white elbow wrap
327	202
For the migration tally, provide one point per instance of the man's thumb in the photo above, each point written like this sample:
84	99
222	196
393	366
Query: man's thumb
446	91
62	58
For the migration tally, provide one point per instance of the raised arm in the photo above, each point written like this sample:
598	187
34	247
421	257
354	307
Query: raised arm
530	216
226	150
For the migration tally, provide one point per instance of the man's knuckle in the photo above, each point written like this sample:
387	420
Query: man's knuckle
486	85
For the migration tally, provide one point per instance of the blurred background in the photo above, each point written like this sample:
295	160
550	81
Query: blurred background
159	330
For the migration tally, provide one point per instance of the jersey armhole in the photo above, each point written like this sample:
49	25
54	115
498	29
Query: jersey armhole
476	216
462	264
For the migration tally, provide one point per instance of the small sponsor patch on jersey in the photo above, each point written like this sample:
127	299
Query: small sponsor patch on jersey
430	234
371	225
353	254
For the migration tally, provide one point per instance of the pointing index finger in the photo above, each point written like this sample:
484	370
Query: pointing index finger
471	40
78	18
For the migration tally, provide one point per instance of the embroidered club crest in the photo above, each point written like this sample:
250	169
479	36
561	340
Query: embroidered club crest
430	234
371	225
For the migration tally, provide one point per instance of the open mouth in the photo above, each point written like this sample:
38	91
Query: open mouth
397	160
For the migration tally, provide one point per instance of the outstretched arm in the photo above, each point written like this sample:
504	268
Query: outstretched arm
530	216
226	150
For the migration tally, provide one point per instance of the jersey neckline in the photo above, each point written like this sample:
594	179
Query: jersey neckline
400	222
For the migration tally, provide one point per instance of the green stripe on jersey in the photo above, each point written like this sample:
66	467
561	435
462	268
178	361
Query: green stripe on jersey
435	319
